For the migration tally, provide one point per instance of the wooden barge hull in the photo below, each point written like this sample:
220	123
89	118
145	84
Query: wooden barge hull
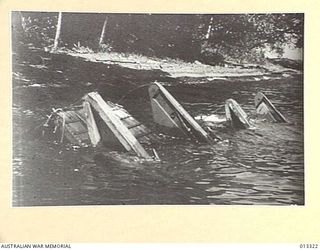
99	122
235	115
169	113
265	108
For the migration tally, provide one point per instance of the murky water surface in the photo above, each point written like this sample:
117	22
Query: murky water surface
261	166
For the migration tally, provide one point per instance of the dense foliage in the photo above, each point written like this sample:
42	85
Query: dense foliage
210	38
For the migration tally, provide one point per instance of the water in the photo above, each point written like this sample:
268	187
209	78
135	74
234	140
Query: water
264	166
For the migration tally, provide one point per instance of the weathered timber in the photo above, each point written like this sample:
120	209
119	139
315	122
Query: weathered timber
91	125
116	126
72	126
235	115
169	113
266	109
136	128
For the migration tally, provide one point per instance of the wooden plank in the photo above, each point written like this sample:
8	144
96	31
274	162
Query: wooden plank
71	116
264	111
162	112
70	137
135	127
236	115
76	127
93	131
139	131
126	117
120	113
83	138
265	107
180	116
78	135
122	133
72	127
130	122
162	117
107	136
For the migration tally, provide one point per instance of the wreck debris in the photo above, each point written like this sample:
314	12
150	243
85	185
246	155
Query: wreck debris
265	108
99	122
102	122
113	118
93	131
235	115
169	113
71	126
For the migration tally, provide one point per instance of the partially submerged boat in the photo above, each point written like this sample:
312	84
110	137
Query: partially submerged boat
97	122
236	116
266	109
168	113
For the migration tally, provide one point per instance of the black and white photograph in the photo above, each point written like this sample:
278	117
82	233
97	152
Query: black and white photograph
157	109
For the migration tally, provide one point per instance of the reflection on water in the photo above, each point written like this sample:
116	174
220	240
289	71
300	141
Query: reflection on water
261	166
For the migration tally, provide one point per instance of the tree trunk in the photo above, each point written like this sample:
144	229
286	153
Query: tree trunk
23	21
103	32
209	29
58	32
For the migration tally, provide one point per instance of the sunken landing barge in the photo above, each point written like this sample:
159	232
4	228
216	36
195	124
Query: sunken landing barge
97	123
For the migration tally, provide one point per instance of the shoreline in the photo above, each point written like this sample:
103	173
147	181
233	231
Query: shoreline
176	68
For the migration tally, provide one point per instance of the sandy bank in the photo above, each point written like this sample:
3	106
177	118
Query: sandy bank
177	68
